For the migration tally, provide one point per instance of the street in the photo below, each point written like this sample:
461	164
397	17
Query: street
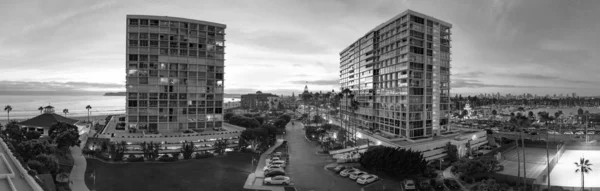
306	167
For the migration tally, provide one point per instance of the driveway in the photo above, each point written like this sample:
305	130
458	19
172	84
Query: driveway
306	167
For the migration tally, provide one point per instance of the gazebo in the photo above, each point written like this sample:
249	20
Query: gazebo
42	123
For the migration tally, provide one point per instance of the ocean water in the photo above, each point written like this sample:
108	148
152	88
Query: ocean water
25	106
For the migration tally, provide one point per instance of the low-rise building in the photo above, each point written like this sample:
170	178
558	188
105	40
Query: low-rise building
257	101
44	121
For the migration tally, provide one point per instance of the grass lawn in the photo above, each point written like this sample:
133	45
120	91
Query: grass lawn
216	173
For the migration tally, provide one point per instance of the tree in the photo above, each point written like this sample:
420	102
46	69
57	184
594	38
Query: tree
522	122
286	118
41	109
220	146
254	138
64	134
261	120
452	152
8	108
120	149
49	163
354	106
32	135
494	112
583	167
580	111
530	114
13	132
464	113
396	162
88	107
65	111
29	149
228	116
280	124
187	149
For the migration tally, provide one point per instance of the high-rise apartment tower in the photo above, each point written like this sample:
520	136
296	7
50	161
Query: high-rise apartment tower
399	73
174	73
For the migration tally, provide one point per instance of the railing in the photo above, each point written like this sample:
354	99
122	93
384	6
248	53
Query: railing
23	173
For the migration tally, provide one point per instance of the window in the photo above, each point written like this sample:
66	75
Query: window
133	22
154	44
133	57
143	43
133	43
144	22
133	35
143	35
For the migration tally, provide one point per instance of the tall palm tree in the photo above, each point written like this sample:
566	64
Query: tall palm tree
346	92
65	111
354	105
41	109
548	154
316	98
522	122
584	166
339	98
88	107
8	108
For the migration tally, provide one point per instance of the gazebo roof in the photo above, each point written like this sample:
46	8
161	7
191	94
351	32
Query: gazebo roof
47	120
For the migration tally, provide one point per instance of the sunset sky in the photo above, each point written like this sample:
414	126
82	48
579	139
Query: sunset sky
536	46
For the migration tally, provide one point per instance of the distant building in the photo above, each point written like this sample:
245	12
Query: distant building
258	100
43	122
274	102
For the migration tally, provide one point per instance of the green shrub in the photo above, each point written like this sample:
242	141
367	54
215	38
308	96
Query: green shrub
135	159
204	155
167	159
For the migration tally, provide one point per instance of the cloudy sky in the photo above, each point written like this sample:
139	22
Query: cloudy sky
537	46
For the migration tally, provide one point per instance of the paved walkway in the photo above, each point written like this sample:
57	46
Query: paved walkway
78	172
449	175
255	180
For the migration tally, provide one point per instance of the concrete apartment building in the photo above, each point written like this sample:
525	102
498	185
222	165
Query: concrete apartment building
399	73
175	73
258	100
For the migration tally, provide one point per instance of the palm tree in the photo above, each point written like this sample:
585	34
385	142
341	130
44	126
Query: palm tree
88	107
339	98
346	92
316	98
522	122
354	105
8	108
65	111
41	109
584	166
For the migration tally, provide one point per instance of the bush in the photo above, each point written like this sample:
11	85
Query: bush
204	155
135	159
165	158
88	152
32	172
176	155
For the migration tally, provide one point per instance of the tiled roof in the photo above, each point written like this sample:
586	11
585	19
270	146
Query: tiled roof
47	120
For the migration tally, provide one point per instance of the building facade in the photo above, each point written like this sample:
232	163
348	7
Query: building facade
258	101
175	73
399	73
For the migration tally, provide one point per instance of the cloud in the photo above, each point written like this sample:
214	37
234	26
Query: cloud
28	87
251	90
468	74
281	41
318	82
469	83
559	46
55	20
544	77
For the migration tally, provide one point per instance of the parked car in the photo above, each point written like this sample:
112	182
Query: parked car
438	185
277	180
274	170
340	168
451	184
568	133
273	167
409	184
533	133
367	179
274	158
591	132
357	174
424	185
552	132
278	162
275	173
579	133
346	172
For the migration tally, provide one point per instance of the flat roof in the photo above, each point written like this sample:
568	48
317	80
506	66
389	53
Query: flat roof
408	11
405	143
174	19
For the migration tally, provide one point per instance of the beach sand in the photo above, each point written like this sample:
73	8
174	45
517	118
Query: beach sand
96	118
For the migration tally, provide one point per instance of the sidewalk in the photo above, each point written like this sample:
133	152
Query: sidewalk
255	180
78	172
449	175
